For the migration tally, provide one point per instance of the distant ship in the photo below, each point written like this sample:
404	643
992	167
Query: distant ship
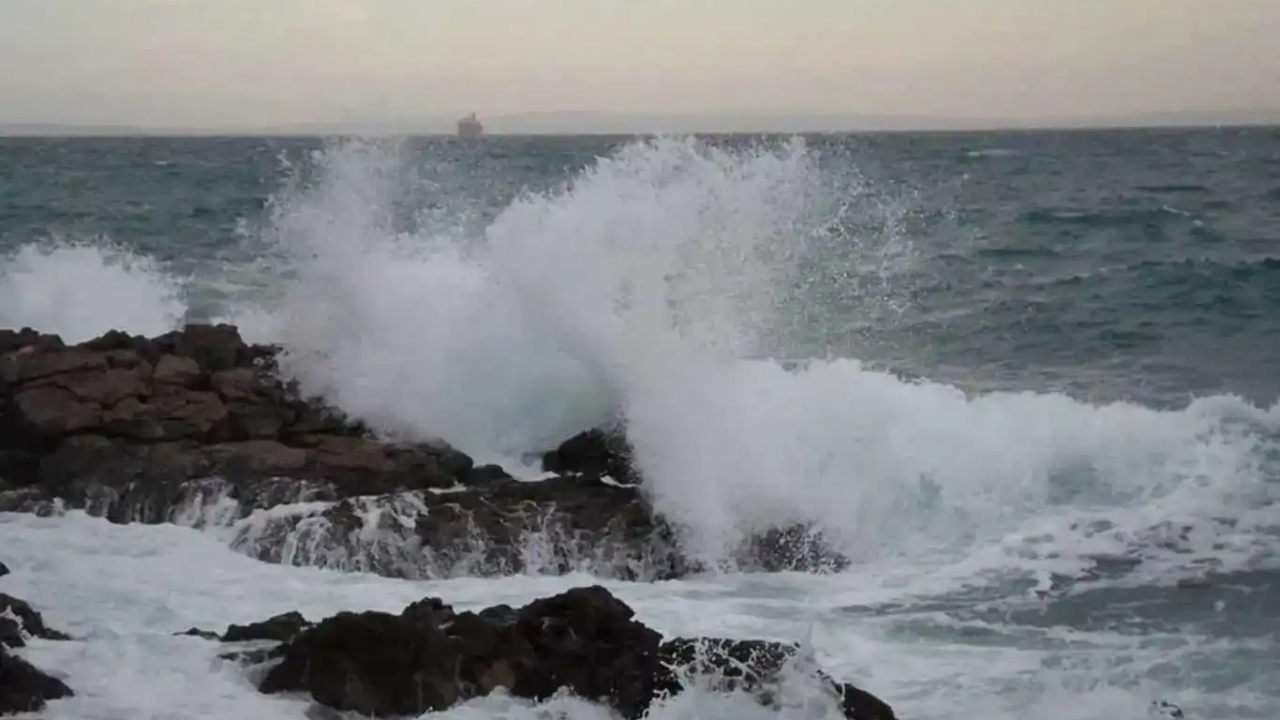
469	127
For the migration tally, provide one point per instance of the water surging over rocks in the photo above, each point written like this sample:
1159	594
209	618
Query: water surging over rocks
430	657
196	427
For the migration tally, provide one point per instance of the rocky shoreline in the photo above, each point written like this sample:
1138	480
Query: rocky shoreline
430	657
198	428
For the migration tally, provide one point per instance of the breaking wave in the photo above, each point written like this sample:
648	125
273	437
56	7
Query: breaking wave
653	288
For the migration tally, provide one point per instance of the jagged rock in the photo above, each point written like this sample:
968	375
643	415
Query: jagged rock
596	452
279	628
121	425
194	427
429	658
24	688
18	621
4	569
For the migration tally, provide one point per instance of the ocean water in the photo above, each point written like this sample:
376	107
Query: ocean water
1028	382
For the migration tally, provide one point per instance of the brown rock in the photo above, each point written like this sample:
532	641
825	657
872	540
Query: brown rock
167	416
213	347
53	412
177	371
257	458
29	364
104	387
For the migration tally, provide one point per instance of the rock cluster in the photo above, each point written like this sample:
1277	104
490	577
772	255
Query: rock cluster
23	687
430	657
117	425
196	426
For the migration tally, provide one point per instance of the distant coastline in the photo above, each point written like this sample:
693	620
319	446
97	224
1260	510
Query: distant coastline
586	123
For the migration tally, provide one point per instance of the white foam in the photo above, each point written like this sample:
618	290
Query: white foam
647	285
650	286
123	590
82	289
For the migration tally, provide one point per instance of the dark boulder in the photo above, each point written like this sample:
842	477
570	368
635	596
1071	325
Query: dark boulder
4	569
586	641
597	453
279	628
25	688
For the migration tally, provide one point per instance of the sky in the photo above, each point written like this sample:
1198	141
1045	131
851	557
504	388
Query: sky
245	63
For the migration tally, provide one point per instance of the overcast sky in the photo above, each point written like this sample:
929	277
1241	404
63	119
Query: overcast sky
250	62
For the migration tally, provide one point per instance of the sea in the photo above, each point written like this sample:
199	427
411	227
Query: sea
1026	381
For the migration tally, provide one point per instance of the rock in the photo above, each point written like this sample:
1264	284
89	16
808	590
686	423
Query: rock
598	453
790	548
279	628
18	621
577	523
24	688
131	428
176	371
4	569
754	666
194	427
430	658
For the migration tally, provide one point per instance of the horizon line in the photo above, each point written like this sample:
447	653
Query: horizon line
552	123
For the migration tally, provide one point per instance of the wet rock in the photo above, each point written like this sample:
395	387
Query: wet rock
18	621
553	526
4	569
793	547
586	641
279	628
25	688
596	452
194	427
756	667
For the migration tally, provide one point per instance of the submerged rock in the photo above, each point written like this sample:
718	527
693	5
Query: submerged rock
430	658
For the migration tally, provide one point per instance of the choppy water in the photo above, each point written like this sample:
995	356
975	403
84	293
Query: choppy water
1027	381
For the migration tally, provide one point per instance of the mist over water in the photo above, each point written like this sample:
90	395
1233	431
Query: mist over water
666	286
